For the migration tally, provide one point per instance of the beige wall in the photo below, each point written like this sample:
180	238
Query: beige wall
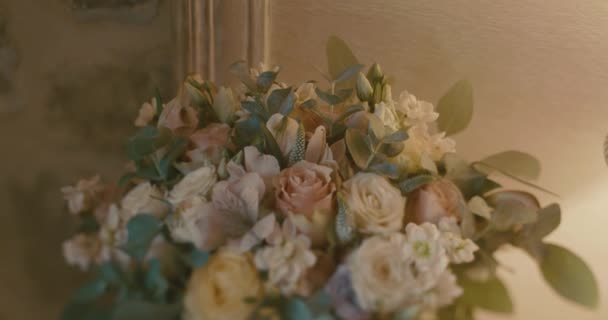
540	73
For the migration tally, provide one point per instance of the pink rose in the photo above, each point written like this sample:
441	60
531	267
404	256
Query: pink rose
436	200
181	120
210	142
305	191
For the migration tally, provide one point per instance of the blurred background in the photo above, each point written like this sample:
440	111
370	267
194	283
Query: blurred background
73	74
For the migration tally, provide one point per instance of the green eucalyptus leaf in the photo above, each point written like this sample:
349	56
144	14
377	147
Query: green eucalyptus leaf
491	295
265	80
410	313
146	141
177	147
159	102
349	112
308	104
548	220
511	213
392	149
296	309
86	311
142	310
348	73
155	280
281	101
416	182
456	108
141	230
331	99
569	275
248	130
358	147
110	273
254	108
339	58
196	258
397	136
516	163
90	291
386	169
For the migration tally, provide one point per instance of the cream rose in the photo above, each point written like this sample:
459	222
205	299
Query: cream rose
436	200
144	198
219	290
381	274
195	184
375	206
306	191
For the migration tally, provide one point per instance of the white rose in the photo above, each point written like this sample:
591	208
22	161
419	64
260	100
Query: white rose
381	274
144	198
386	113
375	206
195	184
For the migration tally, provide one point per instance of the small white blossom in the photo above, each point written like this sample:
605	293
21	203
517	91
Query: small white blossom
415	111
195	184
458	249
143	198
146	113
286	257
428	253
82	196
81	250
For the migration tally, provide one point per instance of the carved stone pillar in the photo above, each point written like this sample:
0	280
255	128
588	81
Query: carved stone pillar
212	34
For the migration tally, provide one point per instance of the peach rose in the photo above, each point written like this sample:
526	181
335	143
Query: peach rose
305	191
436	200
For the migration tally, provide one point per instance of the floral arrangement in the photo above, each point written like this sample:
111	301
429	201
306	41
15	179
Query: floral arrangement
270	201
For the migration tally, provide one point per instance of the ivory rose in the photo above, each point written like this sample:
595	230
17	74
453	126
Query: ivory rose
305	191
436	200
375	206
182	120
219	290
380	273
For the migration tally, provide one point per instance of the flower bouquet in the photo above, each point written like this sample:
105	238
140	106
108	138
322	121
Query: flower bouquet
337	201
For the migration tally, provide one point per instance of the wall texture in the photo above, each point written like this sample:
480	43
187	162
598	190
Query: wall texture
540	73
72	77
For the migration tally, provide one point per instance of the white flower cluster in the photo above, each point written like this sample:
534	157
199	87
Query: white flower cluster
391	272
423	147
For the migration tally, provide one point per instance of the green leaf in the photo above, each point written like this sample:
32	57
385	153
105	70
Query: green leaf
339	58
141	310
456	108
548	220
414	183
358	148
254	108
491	295
510	213
349	112
386	169
141	230
85	311
569	276
410	313
281	101
159	102
310	103
196	258
248	130
90	291
331	99
110	273
155	280
397	136
516	163
272	147
348	73
146	141
265	80
126	179
296	309
176	149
